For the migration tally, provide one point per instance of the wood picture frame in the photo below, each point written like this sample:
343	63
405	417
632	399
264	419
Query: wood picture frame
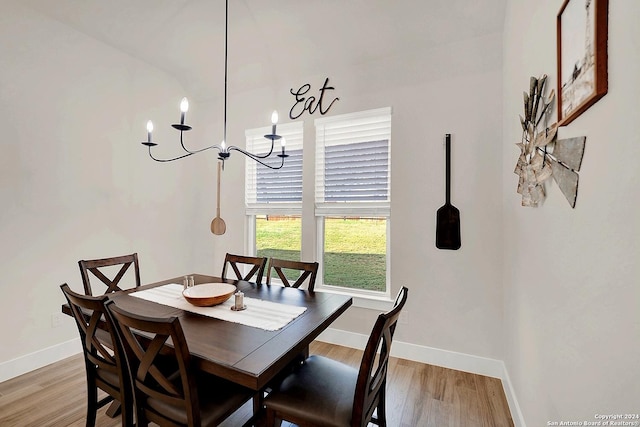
582	33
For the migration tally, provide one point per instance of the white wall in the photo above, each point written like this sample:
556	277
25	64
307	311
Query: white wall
74	181
571	276
77	184
455	89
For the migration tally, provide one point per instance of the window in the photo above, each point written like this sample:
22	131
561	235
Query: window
273	198
352	200
349	221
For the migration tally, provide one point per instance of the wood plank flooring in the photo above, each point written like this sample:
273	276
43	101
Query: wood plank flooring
417	395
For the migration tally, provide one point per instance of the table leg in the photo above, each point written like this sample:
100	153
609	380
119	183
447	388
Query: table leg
257	419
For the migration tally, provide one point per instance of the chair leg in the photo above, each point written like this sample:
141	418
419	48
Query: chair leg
141	419
92	403
382	412
127	416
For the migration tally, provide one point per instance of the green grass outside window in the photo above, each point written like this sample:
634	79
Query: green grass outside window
355	248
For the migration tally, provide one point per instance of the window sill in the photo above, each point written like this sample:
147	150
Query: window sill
371	302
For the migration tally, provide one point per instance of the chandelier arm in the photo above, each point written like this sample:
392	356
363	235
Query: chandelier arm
253	156
258	158
189	153
168	160
200	150
185	148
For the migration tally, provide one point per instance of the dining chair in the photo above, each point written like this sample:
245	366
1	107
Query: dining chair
106	368
305	269
98	268
168	388
235	261
325	392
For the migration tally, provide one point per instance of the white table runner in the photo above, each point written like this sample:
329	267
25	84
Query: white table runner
262	314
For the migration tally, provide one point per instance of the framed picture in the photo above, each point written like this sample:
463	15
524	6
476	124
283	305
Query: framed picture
582	56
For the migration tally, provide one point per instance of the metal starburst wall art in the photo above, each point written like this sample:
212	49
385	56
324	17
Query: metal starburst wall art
542	155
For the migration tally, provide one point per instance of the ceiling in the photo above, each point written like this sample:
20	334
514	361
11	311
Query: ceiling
270	40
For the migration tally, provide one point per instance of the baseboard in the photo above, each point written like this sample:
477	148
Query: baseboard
29	362
514	407
434	356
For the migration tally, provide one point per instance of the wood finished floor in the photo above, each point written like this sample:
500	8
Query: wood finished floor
417	395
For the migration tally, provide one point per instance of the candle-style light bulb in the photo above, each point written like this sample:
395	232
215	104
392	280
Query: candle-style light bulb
149	130
274	121
184	107
283	142
222	145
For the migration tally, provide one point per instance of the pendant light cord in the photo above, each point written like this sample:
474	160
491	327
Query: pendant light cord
226	35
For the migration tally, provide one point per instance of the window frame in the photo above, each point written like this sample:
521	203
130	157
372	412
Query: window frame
275	208
314	228
381	209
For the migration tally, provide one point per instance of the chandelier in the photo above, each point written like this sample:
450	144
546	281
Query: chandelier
224	150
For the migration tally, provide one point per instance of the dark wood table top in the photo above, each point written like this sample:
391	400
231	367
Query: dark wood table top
246	355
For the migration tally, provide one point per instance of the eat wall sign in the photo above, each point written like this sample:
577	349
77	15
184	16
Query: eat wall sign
310	103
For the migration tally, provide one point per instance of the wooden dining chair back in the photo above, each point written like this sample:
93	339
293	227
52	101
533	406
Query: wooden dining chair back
105	364
236	262
99	268
168	390
303	271
372	377
322	391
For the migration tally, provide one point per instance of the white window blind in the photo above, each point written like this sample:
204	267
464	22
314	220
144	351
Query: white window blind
269	191
352	164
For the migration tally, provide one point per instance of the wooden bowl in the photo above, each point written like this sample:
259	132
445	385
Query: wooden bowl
209	294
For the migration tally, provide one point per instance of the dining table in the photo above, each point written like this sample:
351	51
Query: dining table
245	354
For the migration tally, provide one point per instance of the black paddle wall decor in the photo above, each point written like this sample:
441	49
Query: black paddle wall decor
448	216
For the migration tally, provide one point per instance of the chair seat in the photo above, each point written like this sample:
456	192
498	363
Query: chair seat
320	391
217	399
109	377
